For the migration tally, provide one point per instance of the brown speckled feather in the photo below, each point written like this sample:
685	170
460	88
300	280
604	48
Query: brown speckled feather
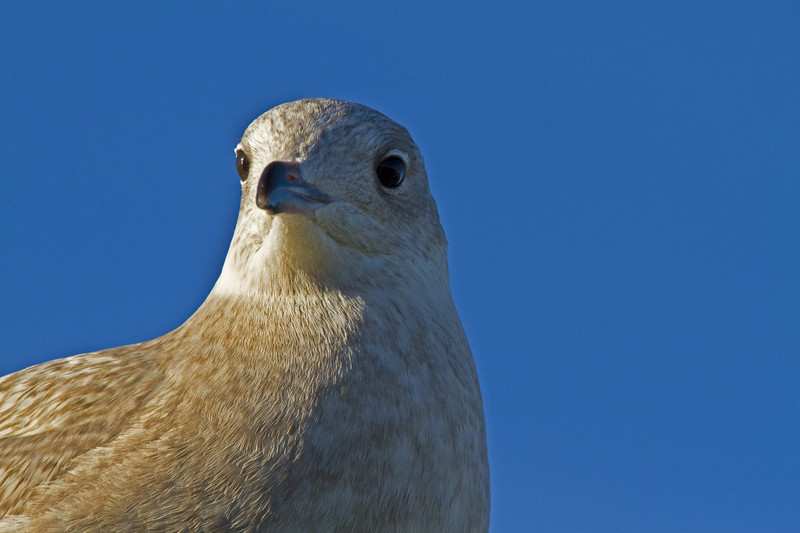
326	383
57	411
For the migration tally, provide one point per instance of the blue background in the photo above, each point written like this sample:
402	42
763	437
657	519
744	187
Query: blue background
619	185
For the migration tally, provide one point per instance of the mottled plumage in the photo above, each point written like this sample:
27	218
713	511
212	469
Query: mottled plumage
326	384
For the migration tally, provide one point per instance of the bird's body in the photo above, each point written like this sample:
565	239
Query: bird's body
325	384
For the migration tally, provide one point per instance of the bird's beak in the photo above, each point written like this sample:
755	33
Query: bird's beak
281	189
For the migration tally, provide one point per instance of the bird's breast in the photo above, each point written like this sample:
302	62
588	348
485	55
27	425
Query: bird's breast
370	404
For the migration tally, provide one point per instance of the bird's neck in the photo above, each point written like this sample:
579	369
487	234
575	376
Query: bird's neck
297	259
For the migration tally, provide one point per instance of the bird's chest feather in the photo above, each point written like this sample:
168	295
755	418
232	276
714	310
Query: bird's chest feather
393	429
370	416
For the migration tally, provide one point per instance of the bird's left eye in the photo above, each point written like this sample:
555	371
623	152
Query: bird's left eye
242	164
391	172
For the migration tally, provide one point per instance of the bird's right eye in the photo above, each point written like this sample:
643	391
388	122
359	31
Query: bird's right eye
242	164
391	172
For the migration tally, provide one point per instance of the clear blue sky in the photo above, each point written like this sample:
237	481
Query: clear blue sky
620	186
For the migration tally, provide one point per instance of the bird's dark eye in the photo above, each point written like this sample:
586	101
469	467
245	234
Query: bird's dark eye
391	171
242	164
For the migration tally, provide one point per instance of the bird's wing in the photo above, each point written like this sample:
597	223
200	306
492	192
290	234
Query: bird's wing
52	413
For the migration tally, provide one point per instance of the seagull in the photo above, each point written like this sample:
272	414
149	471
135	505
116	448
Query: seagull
325	384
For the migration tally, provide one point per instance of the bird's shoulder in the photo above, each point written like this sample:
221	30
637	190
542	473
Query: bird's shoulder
52	413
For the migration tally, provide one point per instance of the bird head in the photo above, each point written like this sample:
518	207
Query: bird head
331	190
